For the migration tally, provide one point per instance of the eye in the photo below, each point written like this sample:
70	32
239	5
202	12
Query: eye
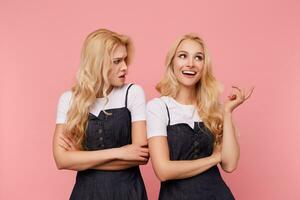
117	61
182	56
199	58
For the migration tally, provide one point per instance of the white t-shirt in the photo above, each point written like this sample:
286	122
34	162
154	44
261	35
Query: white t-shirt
135	103
157	115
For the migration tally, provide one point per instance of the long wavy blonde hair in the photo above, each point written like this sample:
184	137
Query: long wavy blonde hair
207	89
92	78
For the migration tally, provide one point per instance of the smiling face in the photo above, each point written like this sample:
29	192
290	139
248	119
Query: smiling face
118	72
188	62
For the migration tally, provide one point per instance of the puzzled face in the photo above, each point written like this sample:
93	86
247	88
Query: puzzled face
119	68
188	62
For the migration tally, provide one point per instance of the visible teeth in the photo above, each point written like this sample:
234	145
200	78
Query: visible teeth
188	72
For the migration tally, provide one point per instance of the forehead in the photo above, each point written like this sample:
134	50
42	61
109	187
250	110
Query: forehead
189	45
119	51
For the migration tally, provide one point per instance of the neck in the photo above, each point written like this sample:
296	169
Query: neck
186	95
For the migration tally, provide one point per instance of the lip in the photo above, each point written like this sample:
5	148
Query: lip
122	78
188	75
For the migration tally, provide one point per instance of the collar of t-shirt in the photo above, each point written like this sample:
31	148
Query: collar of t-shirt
180	113
116	99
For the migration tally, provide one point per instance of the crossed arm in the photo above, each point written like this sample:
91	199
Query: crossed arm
227	154
166	169
67	156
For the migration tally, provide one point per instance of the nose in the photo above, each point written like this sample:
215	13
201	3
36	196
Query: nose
124	67
190	62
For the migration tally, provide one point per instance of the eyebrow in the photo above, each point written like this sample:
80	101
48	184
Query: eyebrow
187	52
117	58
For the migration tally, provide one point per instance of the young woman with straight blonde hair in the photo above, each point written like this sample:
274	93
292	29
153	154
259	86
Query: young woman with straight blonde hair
189	131
100	126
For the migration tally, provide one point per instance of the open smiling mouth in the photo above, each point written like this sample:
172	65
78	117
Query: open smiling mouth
122	76
188	73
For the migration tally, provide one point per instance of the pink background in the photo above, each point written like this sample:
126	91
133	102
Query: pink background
251	43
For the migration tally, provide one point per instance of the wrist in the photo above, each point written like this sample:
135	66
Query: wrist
216	158
117	153
227	112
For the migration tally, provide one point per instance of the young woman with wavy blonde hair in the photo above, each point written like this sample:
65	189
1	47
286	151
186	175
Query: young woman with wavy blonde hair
189	131
100	126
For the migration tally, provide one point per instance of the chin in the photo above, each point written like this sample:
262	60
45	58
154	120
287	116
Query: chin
119	84
188	83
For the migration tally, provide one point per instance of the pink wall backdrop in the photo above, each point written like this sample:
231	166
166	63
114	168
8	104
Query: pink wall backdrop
251	43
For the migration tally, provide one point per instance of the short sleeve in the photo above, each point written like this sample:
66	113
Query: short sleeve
63	107
157	118
136	103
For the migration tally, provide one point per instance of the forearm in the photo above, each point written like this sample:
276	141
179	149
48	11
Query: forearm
169	170
230	147
118	165
81	160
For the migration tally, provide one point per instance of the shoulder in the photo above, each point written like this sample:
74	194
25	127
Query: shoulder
159	101
135	89
65	97
135	93
157	117
63	106
132	88
155	104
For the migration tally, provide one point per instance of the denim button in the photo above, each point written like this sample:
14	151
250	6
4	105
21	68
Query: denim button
196	143
195	156
100	131
101	138
196	150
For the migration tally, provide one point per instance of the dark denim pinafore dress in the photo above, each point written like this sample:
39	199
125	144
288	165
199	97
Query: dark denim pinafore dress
186	143
105	132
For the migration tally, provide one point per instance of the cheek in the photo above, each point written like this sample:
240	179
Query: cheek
113	71
111	76
179	63
176	69
200	69
200	66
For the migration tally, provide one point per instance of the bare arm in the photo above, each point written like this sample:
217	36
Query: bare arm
78	160
165	169
81	160
230	146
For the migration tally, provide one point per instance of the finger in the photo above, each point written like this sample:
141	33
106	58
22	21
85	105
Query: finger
144	154
236	97
237	91
141	162
63	146
145	150
65	141
140	159
73	146
69	139
145	145
249	93
232	97
143	159
237	88
243	94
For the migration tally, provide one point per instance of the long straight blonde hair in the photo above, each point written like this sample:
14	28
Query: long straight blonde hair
92	78
206	90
